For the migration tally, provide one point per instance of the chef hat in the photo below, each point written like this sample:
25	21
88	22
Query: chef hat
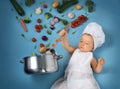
95	30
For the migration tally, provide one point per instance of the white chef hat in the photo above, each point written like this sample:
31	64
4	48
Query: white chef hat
95	30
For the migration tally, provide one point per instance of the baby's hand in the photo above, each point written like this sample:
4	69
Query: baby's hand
63	33
101	61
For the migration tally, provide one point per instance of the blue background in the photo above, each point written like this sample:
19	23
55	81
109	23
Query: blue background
13	47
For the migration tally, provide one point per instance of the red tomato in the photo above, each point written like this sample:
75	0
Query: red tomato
36	26
40	26
38	30
39	20
42	45
34	39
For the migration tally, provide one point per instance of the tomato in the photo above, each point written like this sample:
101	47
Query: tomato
39	20
36	26
38	30
40	26
42	45
73	26
34	39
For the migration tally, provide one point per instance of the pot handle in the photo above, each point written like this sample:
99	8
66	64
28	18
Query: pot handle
22	61
59	57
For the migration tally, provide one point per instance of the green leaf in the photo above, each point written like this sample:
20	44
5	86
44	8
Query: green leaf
50	10
33	54
62	15
23	35
41	3
47	45
49	32
58	31
17	17
35	46
45	26
74	32
64	21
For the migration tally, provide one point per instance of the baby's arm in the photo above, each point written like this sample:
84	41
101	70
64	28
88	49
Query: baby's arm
97	67
65	42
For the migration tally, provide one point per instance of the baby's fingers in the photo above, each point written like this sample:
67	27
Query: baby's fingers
101	61
62	33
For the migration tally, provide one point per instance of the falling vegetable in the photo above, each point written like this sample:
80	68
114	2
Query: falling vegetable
44	38
34	39
58	31
66	5
45	26
17	7
45	6
29	2
80	20
47	45
64	21
50	10
23	35
58	40
42	50
27	19
48	15
89	4
49	32
78	7
55	4
42	45
23	25
17	17
38	11
33	54
35	46
53	45
74	32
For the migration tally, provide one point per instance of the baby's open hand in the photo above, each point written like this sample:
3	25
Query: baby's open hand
101	61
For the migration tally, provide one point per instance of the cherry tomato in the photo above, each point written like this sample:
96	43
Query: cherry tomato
42	45
34	39
39	20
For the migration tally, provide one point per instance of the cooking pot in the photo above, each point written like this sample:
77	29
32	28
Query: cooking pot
46	63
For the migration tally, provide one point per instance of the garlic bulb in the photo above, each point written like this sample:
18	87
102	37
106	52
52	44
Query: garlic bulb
71	15
38	11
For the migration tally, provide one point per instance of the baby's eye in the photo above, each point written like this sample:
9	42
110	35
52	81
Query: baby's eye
86	43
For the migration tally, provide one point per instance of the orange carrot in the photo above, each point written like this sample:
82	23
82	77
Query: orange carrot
23	25
58	40
53	45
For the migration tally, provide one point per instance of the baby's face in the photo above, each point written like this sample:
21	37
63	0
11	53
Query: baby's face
86	43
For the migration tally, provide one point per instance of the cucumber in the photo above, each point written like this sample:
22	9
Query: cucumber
65	5
17	7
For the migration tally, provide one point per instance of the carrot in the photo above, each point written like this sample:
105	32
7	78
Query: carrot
23	25
58	40
53	45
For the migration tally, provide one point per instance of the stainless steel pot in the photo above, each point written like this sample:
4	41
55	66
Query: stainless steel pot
47	63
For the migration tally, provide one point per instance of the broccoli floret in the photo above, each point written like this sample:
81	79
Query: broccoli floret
27	20
48	15
89	5
64	21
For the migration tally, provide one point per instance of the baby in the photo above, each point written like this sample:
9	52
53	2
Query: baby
78	74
